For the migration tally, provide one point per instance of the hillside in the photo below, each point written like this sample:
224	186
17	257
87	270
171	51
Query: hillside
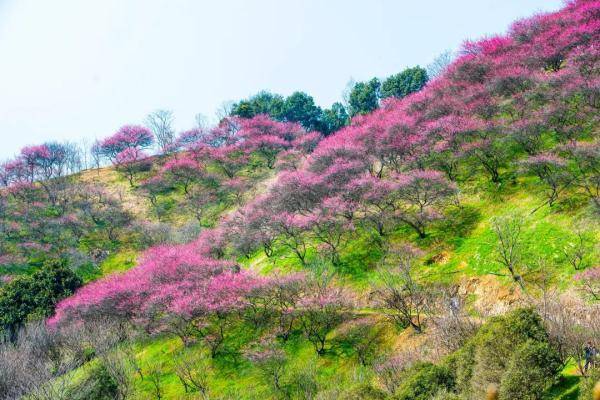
444	245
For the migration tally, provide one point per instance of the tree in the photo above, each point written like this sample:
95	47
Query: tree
197	201
490	152
193	373
509	247
334	118
440	64
160	122
271	360
404	83
364	97
586	171
183	171
421	195
35	296
291	231
331	226
324	306
261	103
551	170
572	323
127	137
404	298
365	337
151	188
590	282
300	107
130	162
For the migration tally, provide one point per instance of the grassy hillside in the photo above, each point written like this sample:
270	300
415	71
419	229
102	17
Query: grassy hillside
443	246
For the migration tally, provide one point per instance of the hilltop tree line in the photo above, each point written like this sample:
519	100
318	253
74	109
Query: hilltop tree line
363	97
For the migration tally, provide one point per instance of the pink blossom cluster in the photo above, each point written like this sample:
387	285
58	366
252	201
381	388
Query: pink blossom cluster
127	138
184	280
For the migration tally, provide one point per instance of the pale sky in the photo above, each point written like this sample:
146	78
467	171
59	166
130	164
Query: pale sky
71	69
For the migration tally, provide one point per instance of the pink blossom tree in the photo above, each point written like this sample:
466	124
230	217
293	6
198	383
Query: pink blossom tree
422	195
586	170
551	170
127	137
324	307
183	171
131	162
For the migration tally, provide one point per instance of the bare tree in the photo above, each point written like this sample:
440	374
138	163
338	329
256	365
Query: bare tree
509	246
450	320
571	324
224	110
161	124
403	299
119	370
578	252
193	372
202	121
439	65
154	374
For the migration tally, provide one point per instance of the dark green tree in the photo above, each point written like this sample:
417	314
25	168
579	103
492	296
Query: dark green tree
364	97
334	118
261	103
300	107
404	83
35	296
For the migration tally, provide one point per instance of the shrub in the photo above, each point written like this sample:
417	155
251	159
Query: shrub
35	296
98	385
363	392
589	386
505	350
423	381
531	370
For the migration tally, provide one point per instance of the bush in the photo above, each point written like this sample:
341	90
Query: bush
587	385
531	370
423	381
446	395
32	297
363	392
512	352
98	385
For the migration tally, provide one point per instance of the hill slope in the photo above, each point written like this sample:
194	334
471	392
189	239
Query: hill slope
367	265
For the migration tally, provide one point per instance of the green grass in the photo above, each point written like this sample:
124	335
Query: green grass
119	261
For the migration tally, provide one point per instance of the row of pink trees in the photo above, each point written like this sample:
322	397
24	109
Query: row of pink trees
186	291
208	168
305	208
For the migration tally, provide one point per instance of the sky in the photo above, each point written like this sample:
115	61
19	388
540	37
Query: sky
79	69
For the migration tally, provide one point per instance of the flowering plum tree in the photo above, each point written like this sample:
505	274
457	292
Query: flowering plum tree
198	199
331	226
586	171
271	360
324	306
130	162
552	172
127	137
400	292
291	232
421	196
152	188
183	171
